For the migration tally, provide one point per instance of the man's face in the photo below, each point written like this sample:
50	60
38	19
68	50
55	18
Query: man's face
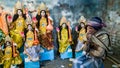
90	30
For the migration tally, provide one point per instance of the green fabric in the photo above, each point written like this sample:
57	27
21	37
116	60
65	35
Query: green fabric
2	35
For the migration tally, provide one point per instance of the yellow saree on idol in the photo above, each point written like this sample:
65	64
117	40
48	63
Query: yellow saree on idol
82	33
64	35
18	25
9	57
45	27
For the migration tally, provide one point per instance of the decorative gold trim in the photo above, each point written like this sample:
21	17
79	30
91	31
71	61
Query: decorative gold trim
63	20
7	38
17	6
82	19
43	6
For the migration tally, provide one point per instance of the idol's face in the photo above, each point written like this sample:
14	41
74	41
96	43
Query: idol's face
82	25
7	43
19	12
42	13
29	27
63	25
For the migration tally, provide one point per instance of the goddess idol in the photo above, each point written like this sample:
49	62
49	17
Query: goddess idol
18	25
45	27
11	56
82	33
32	47
64	35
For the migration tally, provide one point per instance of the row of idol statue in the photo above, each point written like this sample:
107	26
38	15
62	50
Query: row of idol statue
26	32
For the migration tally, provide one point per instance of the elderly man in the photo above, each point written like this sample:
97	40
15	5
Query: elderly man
96	45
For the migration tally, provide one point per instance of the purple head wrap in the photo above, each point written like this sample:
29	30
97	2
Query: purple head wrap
96	23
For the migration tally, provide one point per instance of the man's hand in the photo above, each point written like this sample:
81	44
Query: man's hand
88	36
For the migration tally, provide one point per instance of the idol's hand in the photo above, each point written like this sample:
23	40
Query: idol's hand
26	11
68	23
34	20
36	30
9	19
14	44
57	29
76	28
70	40
0	47
22	34
11	26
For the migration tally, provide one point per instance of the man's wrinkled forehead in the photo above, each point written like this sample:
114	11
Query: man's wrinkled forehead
93	23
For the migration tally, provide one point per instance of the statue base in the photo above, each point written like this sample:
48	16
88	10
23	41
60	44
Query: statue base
46	54
67	53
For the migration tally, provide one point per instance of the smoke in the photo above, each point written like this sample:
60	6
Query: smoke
55	3
50	4
114	17
30	4
70	17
